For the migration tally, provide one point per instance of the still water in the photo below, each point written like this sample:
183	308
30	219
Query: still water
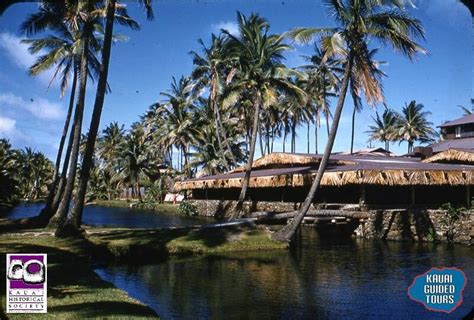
115	217
316	279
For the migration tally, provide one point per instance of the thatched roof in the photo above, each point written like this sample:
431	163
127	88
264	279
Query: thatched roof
342	170
283	160
453	156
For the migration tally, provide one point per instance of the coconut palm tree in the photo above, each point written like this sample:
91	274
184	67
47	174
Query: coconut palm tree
63	55
384	128
213	69
261	75
9	172
355	88
323	82
112	12
465	110
358	22
413	125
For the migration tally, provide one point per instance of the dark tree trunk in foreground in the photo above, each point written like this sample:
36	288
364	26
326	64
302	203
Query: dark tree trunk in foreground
47	211
288	231
353	127
60	216
248	168
75	218
315	136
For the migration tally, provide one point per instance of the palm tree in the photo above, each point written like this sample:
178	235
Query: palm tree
261	75
323	81
85	22
356	86
113	12
358	21
9	172
210	70
64	56
465	110
413	125
384	128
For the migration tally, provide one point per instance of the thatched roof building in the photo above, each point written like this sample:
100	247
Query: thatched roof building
280	176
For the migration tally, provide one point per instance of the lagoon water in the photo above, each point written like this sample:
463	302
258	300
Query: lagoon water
316	279
100	216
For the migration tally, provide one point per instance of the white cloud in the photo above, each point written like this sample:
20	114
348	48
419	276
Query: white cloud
39	107
230	26
18	54
7	126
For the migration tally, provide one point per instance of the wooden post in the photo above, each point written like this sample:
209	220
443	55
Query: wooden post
412	196
468	196
362	195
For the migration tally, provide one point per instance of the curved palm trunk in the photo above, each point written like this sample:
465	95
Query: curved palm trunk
353	128
220	130
288	231
78	206
59	217
248	168
46	212
285	132
307	135
315	137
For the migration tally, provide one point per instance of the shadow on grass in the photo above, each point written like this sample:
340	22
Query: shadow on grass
104	309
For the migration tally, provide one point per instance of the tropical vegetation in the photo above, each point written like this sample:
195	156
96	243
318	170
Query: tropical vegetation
240	96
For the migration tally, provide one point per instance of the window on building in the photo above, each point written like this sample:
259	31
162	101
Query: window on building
457	132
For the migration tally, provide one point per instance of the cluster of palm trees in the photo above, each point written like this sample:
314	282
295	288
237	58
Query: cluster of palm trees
24	174
240	91
410	125
77	37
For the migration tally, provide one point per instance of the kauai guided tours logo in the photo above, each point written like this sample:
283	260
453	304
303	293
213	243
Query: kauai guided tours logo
439	289
26	283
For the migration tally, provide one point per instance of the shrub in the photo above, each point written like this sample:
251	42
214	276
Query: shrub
187	208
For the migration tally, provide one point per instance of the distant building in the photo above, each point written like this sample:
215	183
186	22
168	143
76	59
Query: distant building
457	134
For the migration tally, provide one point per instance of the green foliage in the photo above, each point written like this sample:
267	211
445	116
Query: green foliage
23	174
187	208
451	216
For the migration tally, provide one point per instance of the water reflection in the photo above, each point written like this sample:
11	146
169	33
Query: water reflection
115	217
317	279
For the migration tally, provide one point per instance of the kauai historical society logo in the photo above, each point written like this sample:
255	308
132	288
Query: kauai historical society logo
26	283
439	289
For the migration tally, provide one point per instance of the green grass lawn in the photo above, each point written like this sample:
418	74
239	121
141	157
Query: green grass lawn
74	290
159	207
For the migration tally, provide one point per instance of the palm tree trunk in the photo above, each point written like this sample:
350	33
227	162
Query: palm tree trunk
262	150
59	218
285	132
353	128
78	207
248	168
220	130
46	213
387	145
315	137
288	231
293	137
307	135
63	180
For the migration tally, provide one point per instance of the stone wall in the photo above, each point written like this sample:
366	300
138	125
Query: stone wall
403	224
417	225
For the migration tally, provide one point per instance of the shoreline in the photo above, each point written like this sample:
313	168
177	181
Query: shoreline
82	293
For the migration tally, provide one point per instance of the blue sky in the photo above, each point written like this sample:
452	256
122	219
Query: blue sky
142	67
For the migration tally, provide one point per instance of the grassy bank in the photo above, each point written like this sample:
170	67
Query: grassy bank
159	207
151	244
74	290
